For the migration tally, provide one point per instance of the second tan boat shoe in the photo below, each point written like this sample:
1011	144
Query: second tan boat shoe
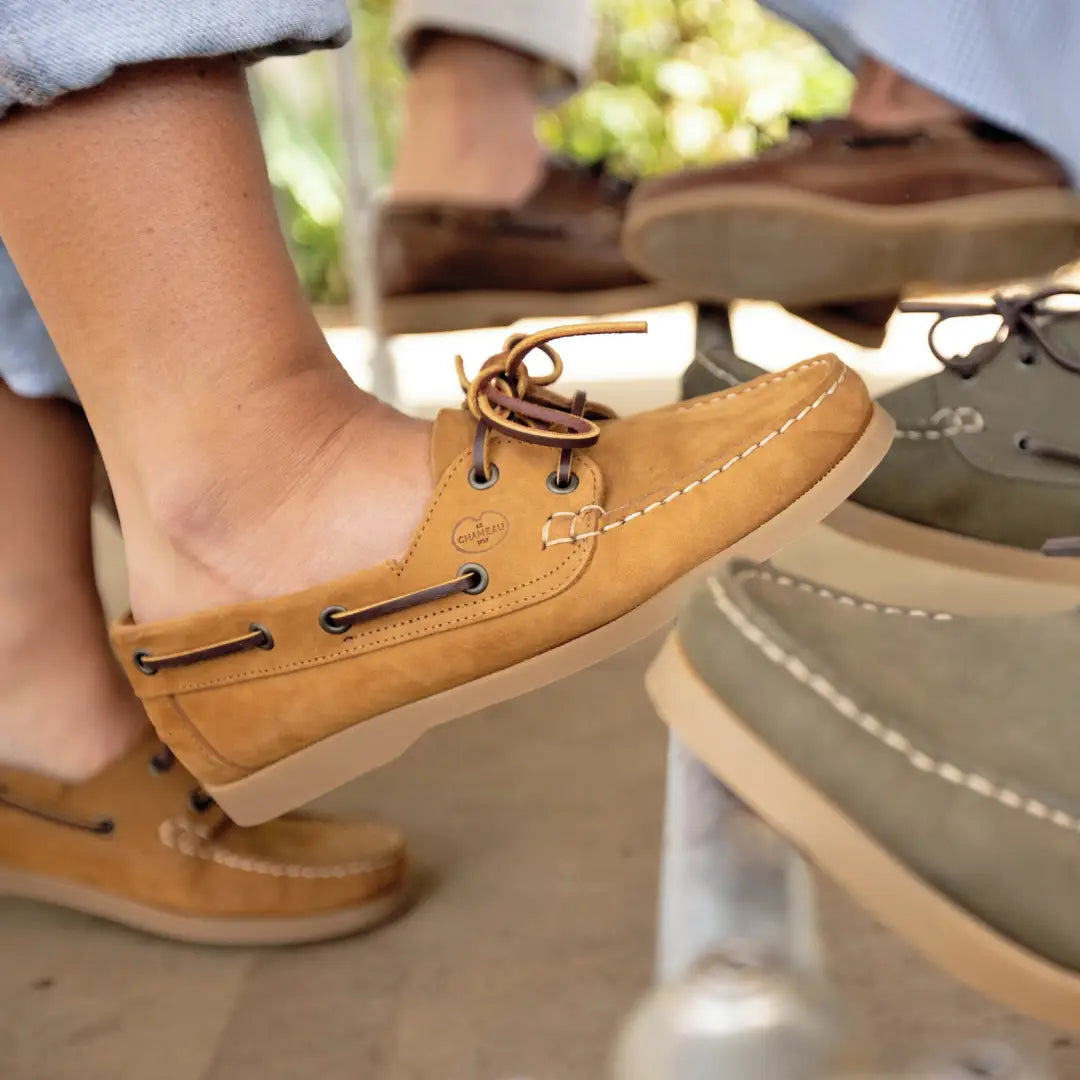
141	844
557	536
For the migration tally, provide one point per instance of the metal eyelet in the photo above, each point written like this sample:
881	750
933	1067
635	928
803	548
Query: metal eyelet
327	614
161	762
200	801
479	572
482	483
1021	440
1029	359
268	638
140	657
556	488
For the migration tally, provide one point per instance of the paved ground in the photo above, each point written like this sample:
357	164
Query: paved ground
536	828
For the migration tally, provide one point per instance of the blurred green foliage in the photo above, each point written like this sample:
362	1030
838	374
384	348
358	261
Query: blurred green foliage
677	82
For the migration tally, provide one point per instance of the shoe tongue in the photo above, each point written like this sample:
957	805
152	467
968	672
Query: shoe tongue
454	432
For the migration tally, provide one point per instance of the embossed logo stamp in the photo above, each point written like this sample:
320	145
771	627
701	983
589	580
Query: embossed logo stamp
473	535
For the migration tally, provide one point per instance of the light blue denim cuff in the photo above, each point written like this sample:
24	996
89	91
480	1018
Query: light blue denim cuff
53	47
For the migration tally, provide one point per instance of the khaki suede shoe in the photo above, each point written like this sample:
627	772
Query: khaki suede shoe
842	211
925	761
141	844
985	471
556	537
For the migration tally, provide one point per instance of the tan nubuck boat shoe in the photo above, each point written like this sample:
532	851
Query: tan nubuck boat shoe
142	844
557	536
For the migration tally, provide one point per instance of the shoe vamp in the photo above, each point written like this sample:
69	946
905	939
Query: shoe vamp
975	483
648	456
992	694
1041	400
915	728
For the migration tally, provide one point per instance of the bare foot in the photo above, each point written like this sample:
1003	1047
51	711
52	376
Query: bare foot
67	709
306	486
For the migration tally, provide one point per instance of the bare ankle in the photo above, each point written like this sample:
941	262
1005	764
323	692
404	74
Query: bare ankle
884	98
469	134
65	708
302	490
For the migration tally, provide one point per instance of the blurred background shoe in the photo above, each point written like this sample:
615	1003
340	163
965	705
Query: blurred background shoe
457	265
454	266
843	210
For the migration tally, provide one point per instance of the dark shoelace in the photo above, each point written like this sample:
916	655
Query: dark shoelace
1024	316
161	762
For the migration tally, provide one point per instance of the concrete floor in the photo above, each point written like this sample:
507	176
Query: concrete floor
535	827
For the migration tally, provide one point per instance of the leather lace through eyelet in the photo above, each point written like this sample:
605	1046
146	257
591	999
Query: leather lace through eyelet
507	399
257	637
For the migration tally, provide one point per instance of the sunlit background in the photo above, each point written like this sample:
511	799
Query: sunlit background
676	82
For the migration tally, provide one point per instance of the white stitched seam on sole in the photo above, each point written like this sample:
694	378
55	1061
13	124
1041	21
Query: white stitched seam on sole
181	837
894	740
766	574
787	425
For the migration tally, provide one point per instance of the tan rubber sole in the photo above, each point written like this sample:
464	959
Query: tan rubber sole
327	764
426	313
946	934
906	537
764	242
199	929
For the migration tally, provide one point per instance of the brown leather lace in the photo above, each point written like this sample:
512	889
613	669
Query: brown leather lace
100	825
162	761
1024	316
257	637
505	398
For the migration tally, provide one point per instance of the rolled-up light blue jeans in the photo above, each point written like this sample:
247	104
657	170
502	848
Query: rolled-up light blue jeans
1009	61
53	47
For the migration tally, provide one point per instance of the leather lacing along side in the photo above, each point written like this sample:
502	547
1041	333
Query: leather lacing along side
257	637
335	619
103	826
504	397
161	762
1024	316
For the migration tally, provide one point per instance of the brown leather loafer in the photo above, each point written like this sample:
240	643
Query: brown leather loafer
557	536
843	211
142	844
445	266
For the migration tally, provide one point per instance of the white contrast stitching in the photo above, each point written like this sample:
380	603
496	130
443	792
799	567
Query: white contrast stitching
766	574
194	841
963	420
574	537
894	740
